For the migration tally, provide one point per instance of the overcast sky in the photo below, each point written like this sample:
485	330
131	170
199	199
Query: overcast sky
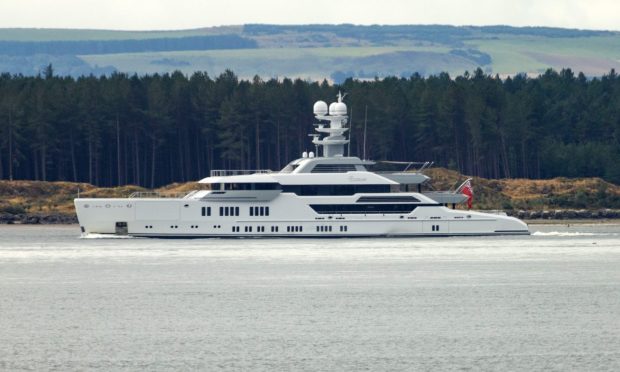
183	14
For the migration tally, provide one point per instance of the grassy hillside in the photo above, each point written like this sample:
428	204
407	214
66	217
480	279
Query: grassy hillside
557	193
59	34
36	197
330	51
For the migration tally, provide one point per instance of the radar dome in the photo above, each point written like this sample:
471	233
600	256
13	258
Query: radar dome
338	108
320	108
332	108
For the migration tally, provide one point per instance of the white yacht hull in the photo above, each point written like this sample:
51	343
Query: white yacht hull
289	216
328	196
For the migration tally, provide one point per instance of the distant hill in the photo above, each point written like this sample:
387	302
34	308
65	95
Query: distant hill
312	51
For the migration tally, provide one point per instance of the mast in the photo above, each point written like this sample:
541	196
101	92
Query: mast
335	140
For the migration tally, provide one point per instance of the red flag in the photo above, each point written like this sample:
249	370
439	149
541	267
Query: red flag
467	189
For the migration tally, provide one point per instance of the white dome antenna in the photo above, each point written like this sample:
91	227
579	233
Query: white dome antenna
335	139
320	108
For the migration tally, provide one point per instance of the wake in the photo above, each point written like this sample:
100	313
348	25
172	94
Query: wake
565	233
104	236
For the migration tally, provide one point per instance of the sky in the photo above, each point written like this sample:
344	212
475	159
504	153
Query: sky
186	14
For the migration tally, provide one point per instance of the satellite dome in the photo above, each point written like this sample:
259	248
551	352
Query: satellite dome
320	108
338	109
332	108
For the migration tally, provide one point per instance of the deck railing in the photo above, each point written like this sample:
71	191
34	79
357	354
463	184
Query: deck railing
238	172
158	195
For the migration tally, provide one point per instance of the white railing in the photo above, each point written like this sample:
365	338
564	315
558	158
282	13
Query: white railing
157	195
238	172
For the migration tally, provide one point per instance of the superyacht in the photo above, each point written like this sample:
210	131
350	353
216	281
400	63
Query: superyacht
326	195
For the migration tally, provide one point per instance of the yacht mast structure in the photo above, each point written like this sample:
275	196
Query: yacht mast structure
334	142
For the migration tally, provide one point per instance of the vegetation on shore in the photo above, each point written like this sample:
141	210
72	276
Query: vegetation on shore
160	129
56	198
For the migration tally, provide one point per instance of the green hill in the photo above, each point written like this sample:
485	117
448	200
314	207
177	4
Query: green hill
313	51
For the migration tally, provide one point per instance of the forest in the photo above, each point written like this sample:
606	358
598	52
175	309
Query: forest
153	130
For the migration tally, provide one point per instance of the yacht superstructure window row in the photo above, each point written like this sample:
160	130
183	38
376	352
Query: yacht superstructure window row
363	208
333	168
251	186
229	211
259	211
334	190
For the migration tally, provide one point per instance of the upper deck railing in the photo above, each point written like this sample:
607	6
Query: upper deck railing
159	195
238	172
411	166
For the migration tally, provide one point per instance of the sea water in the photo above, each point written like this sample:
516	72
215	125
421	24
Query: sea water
549	301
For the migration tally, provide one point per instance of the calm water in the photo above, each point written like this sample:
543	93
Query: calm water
550	301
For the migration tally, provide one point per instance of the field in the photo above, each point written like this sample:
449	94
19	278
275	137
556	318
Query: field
591	55
305	63
37	35
319	52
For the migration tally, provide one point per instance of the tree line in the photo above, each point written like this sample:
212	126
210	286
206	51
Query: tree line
157	129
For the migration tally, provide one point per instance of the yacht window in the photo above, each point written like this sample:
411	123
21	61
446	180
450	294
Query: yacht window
387	199
266	211
252	186
333	168
362	208
204	211
332	190
236	211
262	211
221	211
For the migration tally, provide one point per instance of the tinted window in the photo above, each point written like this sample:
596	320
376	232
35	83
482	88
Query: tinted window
362	208
310	190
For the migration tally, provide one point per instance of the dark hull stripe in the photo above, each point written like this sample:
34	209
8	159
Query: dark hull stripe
307	236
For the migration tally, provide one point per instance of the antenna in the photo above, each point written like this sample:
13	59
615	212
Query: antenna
365	122
350	132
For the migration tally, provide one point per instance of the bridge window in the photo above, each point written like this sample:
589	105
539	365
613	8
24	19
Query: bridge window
362	208
330	190
252	186
333	168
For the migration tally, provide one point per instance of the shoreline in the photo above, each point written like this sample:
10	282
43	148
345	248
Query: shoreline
592	221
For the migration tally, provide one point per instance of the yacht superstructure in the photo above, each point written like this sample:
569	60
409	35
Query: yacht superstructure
331	195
